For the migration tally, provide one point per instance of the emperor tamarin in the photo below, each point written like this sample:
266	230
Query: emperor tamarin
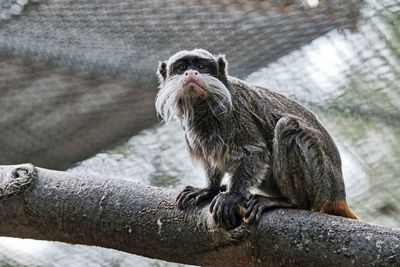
262	139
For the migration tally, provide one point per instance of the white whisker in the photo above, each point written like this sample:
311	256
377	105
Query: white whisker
173	104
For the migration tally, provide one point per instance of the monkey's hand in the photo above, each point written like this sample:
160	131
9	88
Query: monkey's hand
257	204
225	208
193	195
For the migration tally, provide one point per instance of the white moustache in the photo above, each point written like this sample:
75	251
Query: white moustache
173	103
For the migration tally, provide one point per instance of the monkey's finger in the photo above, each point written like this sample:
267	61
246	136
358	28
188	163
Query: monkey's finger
178	197
180	200
201	197
215	214
252	201
186	200
259	213
250	209
220	213
232	216
182	195
179	204
184	191
188	188
251	216
192	195
213	202
248	212
226	217
250	204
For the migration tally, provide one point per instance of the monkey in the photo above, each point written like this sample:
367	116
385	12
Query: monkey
263	140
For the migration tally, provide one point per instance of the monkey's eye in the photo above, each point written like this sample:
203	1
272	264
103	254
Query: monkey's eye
201	66
182	68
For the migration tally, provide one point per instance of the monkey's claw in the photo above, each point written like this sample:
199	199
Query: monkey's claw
192	195
225	209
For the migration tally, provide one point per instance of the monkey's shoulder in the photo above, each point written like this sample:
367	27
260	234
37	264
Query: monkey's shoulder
243	89
267	104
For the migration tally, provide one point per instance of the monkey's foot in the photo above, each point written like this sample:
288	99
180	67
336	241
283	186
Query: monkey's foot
257	204
193	195
226	209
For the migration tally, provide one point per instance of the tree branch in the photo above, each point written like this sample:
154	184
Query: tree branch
52	205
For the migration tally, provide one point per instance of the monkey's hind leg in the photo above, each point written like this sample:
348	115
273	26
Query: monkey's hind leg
307	169
257	204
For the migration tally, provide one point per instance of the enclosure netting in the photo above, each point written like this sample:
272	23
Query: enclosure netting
78	77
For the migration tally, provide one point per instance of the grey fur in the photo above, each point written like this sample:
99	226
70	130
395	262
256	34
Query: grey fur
263	140
168	106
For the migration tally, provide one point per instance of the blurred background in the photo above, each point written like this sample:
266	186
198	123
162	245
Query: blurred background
77	88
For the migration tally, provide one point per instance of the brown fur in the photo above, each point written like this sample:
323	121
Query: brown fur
338	208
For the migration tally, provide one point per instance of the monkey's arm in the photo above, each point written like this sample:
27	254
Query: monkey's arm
252	167
196	195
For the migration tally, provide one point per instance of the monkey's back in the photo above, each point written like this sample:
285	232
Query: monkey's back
269	104
305	162
268	107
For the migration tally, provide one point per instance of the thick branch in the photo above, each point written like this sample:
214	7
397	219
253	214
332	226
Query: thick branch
51	205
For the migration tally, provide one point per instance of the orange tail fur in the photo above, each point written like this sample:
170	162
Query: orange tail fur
339	208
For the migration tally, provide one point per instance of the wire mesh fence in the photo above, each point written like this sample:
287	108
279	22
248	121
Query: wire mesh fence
78	77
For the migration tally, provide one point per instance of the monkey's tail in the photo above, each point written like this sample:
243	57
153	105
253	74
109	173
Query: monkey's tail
339	208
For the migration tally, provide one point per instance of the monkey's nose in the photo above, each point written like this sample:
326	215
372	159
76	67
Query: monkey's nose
193	72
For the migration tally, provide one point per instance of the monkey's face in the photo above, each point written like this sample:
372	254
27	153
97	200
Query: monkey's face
192	82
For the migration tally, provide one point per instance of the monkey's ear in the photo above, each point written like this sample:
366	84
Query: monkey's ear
162	71
222	66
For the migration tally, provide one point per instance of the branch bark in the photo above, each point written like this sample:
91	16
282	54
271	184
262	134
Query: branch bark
52	205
